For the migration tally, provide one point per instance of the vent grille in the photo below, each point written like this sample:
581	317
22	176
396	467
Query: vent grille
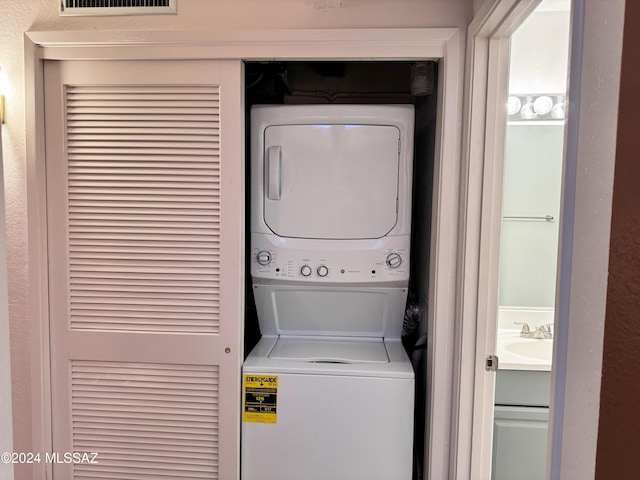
117	7
146	421
143	208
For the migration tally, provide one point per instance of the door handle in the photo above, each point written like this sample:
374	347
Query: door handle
272	172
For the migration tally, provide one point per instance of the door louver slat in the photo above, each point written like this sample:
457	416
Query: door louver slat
143	204
145	421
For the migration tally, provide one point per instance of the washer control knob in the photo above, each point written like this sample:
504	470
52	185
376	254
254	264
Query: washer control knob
264	257
394	260
322	271
305	270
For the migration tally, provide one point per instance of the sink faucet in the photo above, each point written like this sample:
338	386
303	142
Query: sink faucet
542	331
526	330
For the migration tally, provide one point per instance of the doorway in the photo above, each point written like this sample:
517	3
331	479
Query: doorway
521	158
529	237
372	83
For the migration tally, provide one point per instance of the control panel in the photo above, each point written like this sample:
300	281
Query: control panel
380	260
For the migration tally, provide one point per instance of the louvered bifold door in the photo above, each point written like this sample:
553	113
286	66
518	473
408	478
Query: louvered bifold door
144	218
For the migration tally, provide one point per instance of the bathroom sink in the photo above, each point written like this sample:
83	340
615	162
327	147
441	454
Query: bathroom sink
539	349
518	353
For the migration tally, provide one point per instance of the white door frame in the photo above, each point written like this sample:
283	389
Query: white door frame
442	44
486	87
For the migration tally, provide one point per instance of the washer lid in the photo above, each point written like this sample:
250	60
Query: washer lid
330	350
331	181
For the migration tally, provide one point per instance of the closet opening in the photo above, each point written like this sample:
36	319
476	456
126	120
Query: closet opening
362	83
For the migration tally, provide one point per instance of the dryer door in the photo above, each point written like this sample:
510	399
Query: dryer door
331	181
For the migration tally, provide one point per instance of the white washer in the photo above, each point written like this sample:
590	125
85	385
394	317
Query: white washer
348	420
328	391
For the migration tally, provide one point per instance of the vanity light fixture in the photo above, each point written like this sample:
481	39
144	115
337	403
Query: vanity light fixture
527	107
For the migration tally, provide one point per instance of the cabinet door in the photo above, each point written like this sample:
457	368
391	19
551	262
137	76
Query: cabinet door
145	213
520	443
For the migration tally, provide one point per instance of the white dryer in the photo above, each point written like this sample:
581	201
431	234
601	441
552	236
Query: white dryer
328	390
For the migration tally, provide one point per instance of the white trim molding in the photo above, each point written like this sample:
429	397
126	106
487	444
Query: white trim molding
364	44
440	44
486	86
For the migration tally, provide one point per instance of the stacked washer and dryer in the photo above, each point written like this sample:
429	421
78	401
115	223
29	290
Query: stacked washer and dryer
328	391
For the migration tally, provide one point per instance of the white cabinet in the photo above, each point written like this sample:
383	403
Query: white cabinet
520	443
520	425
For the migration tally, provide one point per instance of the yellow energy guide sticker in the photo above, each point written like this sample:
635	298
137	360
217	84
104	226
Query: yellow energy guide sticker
260	398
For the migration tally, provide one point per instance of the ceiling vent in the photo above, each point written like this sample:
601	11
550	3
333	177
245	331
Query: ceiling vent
117	7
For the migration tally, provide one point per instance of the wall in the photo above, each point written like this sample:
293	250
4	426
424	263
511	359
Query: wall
34	15
543	68
618	441
584	239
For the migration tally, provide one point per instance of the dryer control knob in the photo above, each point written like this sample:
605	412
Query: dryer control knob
263	257
394	260
322	271
305	270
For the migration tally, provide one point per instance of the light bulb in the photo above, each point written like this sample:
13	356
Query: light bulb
558	110
527	112
542	105
513	105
